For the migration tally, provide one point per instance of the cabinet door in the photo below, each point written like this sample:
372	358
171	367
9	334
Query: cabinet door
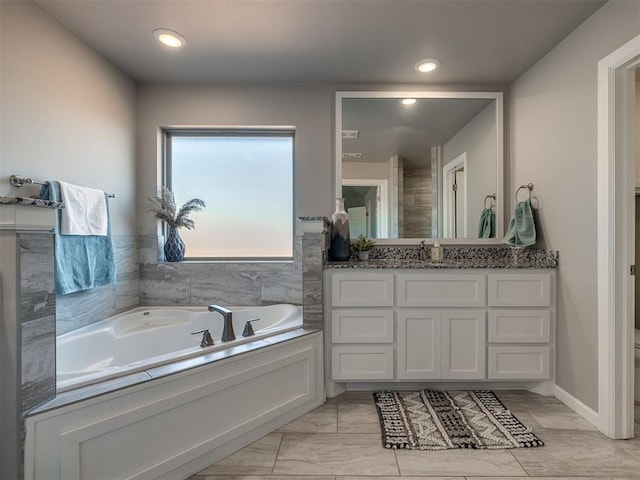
418	345
361	325
441	290
520	290
362	290
362	362
463	344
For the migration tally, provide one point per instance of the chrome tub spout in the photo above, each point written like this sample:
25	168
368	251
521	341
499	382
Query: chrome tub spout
227	332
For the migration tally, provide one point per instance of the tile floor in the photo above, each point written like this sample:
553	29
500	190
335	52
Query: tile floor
341	441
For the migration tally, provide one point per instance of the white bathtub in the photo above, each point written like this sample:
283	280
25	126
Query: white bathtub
146	337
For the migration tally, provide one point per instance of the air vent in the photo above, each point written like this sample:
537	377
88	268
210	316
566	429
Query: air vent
349	133
351	155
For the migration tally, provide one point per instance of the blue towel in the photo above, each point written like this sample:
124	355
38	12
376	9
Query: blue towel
486	226
82	261
522	230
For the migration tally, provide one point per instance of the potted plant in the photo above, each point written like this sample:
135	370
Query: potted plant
163	207
362	246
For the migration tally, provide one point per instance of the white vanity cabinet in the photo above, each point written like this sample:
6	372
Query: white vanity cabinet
398	325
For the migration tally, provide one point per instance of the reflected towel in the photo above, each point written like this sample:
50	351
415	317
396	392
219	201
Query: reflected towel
84	212
522	230
82	261
486	226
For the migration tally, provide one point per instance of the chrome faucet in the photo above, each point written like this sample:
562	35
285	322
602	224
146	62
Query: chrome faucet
423	251
227	332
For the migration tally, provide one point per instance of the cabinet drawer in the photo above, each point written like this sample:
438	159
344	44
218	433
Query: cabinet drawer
520	290
362	363
519	363
519	326
360	325
441	290
361	290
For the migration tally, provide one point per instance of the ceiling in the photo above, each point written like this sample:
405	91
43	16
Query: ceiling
323	41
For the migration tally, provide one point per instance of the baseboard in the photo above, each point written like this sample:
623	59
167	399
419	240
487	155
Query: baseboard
577	406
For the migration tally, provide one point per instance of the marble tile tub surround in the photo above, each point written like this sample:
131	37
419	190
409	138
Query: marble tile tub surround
202	283
80	309
456	257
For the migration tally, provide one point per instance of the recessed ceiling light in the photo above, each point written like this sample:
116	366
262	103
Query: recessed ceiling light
427	65
408	101
169	38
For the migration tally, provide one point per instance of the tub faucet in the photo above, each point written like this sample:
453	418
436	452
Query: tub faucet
227	332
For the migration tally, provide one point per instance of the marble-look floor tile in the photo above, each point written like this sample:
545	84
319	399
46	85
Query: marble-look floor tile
371	477
577	454
255	459
456	462
334	454
550	419
631	446
540	478
265	477
323	419
358	418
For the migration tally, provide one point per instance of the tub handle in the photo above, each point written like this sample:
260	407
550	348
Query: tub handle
248	328
207	341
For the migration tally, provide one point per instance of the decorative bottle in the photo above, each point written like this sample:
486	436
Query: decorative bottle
340	248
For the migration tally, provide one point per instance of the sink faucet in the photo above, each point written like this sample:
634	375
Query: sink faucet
423	251
227	332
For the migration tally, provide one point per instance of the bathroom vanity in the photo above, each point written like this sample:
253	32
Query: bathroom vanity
406	321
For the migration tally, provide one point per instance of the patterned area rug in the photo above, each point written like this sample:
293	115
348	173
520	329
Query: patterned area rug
437	420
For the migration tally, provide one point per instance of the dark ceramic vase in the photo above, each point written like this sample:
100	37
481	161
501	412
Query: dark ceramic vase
340	248
174	246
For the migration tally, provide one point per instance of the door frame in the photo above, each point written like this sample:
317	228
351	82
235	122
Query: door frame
615	253
447	211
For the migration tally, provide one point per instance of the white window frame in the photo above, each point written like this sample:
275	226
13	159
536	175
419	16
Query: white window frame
257	131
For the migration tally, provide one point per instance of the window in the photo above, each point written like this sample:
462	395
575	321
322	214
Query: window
245	178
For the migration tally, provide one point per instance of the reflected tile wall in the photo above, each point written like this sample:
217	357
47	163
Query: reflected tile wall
312	260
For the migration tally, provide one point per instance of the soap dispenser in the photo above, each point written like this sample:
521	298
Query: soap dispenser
436	252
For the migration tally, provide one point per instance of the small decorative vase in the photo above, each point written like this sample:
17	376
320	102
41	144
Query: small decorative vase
363	255
340	248
174	246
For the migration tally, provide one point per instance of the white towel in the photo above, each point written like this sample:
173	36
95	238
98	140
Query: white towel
84	212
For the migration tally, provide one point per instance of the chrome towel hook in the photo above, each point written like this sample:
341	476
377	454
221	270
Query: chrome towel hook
528	186
491	198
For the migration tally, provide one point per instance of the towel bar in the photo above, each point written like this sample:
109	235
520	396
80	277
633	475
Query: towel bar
18	181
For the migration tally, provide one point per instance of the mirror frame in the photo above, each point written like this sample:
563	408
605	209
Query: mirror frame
500	200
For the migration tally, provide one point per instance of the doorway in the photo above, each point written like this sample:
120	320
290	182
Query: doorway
616	232
367	202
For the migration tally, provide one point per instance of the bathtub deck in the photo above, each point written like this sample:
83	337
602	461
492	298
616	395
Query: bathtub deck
90	391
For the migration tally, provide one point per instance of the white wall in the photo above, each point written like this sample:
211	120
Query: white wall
553	110
65	112
478	140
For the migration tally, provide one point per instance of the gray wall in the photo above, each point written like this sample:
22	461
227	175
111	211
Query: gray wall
478	140
67	114
553	117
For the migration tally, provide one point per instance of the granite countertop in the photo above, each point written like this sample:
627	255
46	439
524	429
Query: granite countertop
30	202
454	258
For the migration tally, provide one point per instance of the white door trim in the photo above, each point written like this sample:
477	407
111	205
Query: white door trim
615	246
447	196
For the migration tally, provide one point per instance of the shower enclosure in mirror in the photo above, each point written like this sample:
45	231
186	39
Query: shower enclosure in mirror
420	165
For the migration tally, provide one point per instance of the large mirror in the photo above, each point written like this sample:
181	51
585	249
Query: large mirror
421	165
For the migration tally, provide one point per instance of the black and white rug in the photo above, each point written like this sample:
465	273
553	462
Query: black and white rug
437	420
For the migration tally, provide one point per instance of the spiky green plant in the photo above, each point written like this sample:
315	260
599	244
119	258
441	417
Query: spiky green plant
163	207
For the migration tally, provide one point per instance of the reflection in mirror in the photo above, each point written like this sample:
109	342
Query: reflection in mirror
431	168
